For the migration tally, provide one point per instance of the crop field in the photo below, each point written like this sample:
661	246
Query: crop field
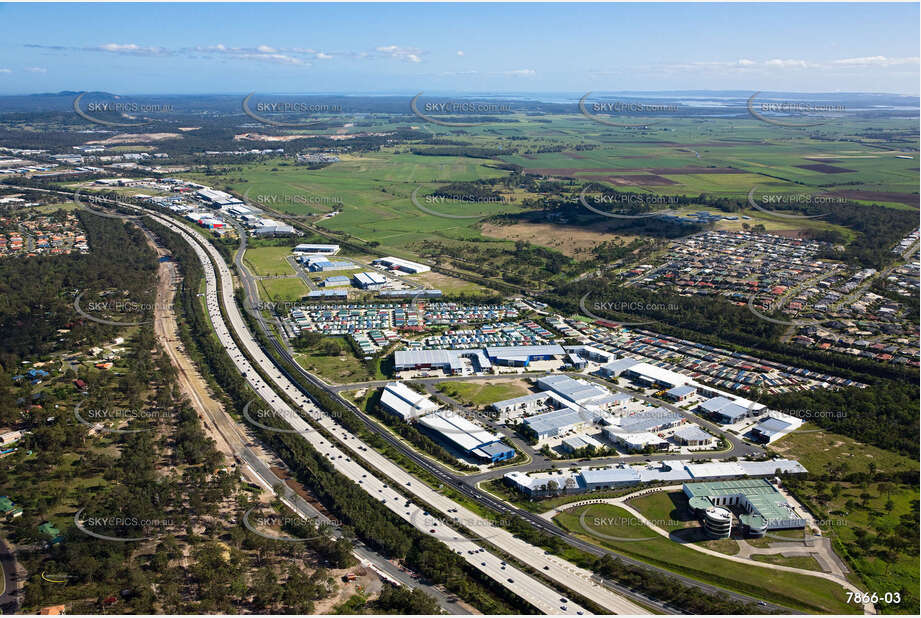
764	152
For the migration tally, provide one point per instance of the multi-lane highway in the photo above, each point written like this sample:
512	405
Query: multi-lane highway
529	588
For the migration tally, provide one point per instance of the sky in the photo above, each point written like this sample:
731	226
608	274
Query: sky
501	48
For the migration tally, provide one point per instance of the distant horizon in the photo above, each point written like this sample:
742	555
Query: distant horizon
427	92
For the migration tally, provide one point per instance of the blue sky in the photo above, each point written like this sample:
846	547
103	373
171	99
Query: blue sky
406	48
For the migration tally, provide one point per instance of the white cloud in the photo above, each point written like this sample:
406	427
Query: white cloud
36	69
784	64
5	71
520	73
787	64
131	49
460	52
322	56
878	61
406	54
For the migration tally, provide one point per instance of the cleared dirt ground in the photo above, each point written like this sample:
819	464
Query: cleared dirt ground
572	241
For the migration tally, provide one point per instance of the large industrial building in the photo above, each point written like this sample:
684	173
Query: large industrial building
727	411
774	427
693	435
652	420
399	399
449	361
270	227
320	263
484	358
614	368
644	373
532	403
369	280
764	507
577	443
395	263
467	435
523	355
636	442
318	249
217	199
558	422
582	392
587	479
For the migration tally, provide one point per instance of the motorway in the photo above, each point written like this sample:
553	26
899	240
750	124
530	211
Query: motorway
254	465
538	594
607	594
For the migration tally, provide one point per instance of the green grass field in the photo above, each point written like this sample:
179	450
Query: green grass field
799	562
790	589
817	449
282	289
482	393
336	369
268	260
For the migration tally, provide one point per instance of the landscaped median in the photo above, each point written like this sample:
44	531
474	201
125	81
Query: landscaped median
617	529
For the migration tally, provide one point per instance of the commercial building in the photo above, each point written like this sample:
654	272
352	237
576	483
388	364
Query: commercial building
335	281
717	522
466	435
450	361
410	293
644	373
532	403
680	393
577	443
579	392
369	280
319	249
774	427
674	471
613	369
217	199
396	263
275	229
636	442
320	263
558	422
523	355
330	294
591	353
767	509
399	399
651	420
728	411
693	435
608	478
